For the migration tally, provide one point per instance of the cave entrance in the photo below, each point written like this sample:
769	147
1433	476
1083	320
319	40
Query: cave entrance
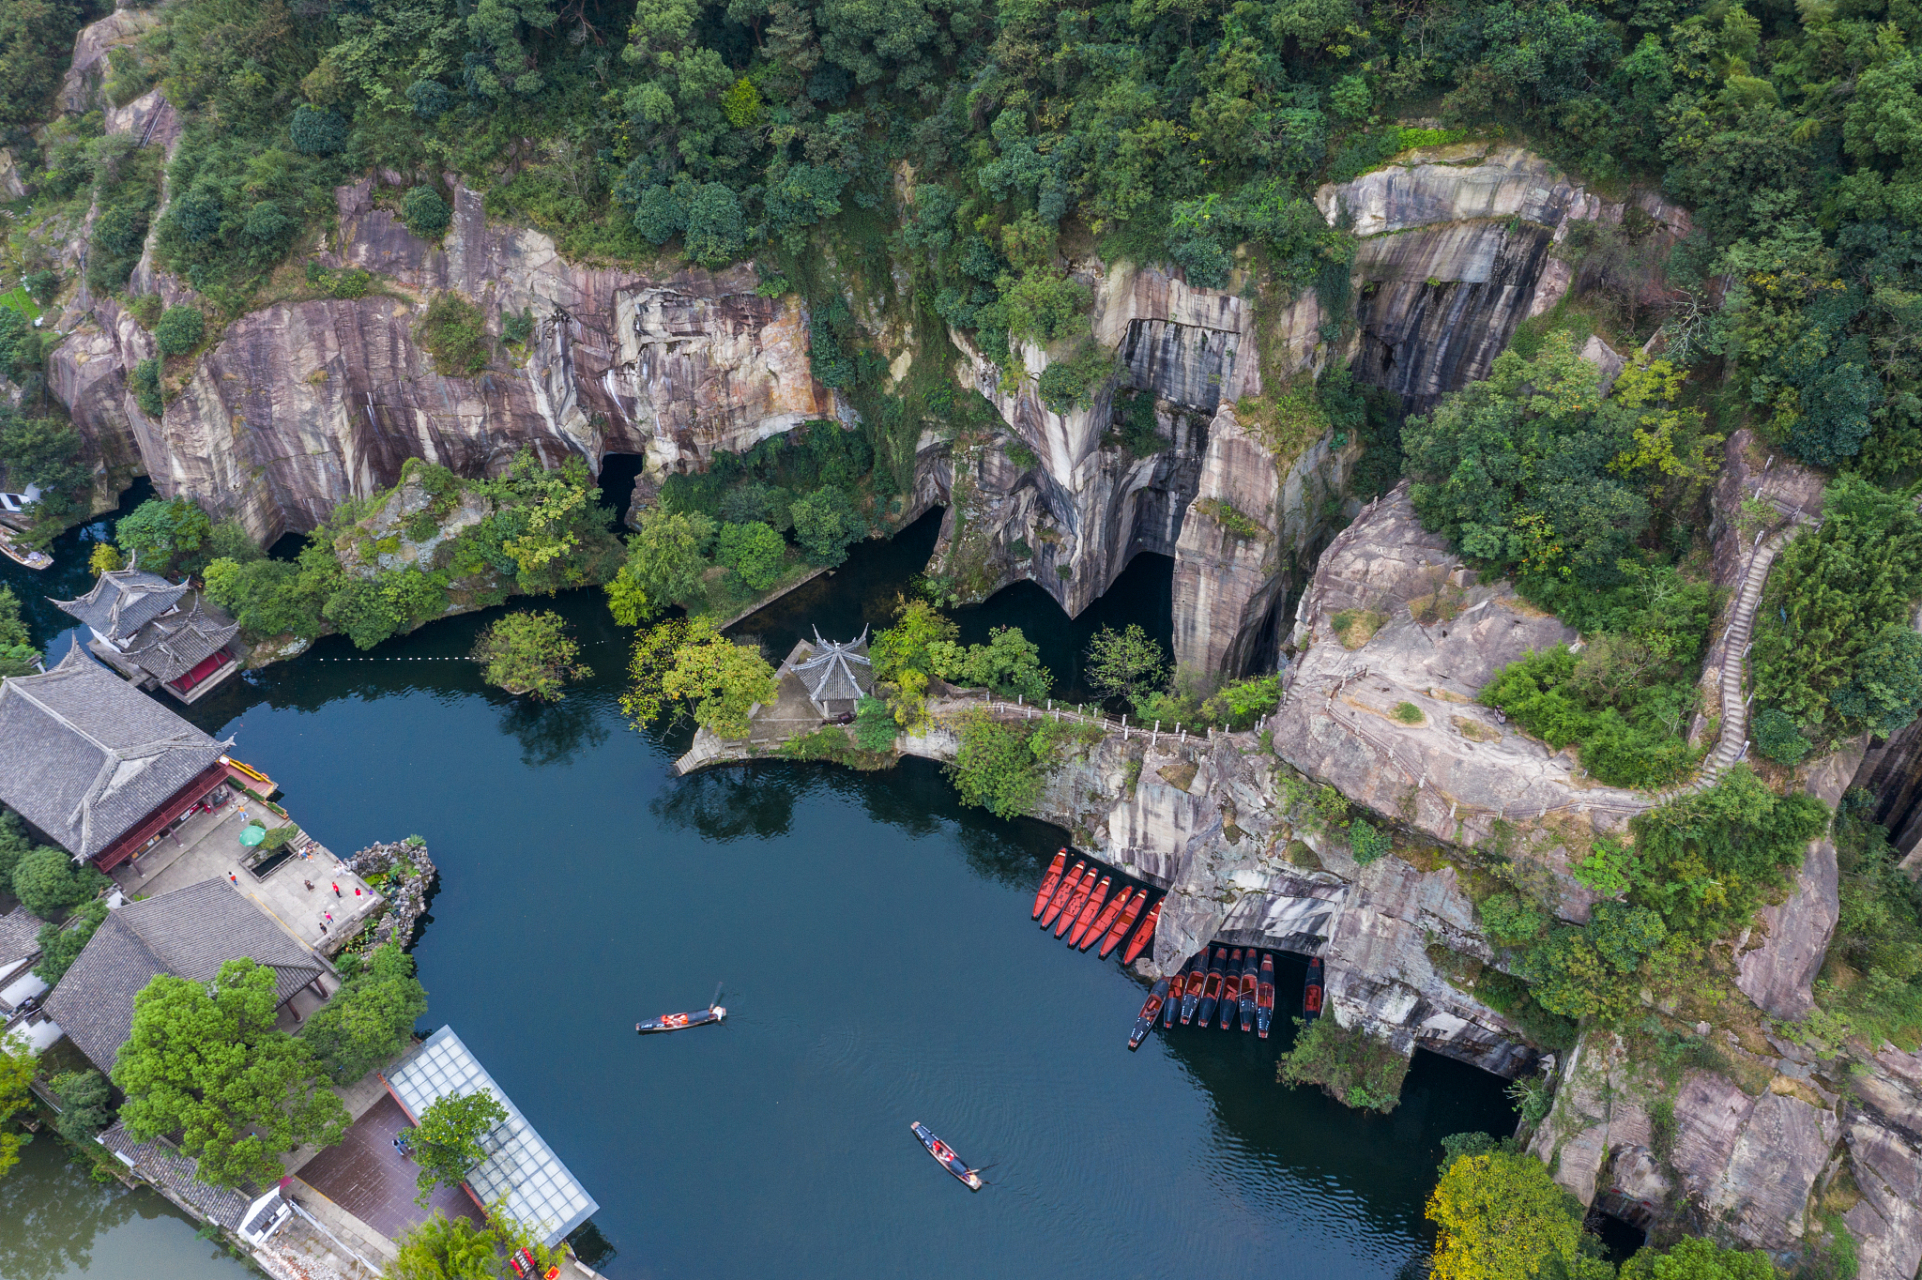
618	473
1144	594
1620	1224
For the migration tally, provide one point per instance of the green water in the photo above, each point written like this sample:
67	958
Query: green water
880	965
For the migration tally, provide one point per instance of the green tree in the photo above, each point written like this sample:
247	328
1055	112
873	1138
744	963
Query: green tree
1125	663
179	330
17	1067
45	452
994	769
208	1065
1884	691
1501	1217
1009	664
85	1100
665	560
447	1143
753	553
162	534
440	1248
17	653
874	726
370	1019
61	944
825	522
723	680
47	881
530	653
1693	1258
425	213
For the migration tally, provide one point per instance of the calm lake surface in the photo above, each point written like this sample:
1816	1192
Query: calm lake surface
880	968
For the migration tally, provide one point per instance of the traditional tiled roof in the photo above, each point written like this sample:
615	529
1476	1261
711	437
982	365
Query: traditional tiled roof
189	933
837	672
88	755
19	936
540	1192
123	601
171	647
174	1173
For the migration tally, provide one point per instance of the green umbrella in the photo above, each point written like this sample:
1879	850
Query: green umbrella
252	834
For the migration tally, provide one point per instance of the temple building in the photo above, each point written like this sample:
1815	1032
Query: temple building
95	765
837	675
142	629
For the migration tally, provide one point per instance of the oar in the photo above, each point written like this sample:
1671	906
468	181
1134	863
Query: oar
717	994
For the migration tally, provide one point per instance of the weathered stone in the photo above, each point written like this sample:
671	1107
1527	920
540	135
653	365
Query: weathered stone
1887	1222
80	89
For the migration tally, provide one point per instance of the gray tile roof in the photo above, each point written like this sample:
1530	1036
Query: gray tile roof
124	601
836	672
189	933
19	936
171	647
541	1194
84	755
173	1173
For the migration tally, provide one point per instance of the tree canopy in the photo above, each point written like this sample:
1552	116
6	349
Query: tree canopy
1501	1217
370	1019
447	1142
204	1061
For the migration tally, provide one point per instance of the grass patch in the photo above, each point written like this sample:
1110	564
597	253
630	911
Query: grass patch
1409	713
1356	627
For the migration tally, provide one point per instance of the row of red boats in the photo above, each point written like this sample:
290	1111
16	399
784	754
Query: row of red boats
1076	903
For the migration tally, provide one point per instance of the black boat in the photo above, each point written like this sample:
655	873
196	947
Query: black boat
1249	972
944	1153
1150	1010
1311	991
713	1014
1211	989
1265	996
1230	989
1172	1008
1196	977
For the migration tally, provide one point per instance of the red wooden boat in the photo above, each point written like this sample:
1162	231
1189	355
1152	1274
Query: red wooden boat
1230	989
1265	996
945	1155
1125	922
1247	1000
1061	893
1103	921
1145	1020
1143	936
1311	991
1075	903
1049	883
1085	924
1197	967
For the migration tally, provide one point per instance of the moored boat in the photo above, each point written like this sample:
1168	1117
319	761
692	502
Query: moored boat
1230	989
1311	991
1143	936
946	1157
1177	992
1049	883
1085	922
1150	1009
1197	976
1119	929
1105	920
1075	903
1062	892
26	557
1248	991
1265	996
1211	989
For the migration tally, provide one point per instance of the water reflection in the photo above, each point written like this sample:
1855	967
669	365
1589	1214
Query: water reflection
725	805
553	733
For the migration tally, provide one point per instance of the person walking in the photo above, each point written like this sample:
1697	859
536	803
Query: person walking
309	884
336	888
234	878
323	926
330	917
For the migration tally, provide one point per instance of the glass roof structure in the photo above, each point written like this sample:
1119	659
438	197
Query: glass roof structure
540	1192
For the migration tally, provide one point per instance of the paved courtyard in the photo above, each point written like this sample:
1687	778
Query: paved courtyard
364	1175
207	847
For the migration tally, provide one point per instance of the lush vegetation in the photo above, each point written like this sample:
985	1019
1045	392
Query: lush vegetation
17	651
46	879
45	451
545	530
17	1066
530	653
1003	764
1500	1216
447	1140
440	1248
205	1063
85	1104
1354	1067
687	662
1872	978
370	1019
